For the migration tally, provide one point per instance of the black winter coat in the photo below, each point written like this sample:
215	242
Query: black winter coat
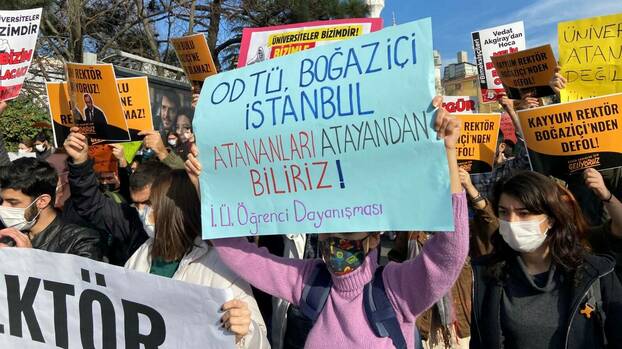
62	237
120	221
580	331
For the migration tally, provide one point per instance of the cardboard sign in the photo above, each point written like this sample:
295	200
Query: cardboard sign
260	44
569	137
60	111
134	93
195	57
501	40
527	71
130	149
57	300
294	144
590	54
507	128
478	141
103	159
96	104
460	104
18	38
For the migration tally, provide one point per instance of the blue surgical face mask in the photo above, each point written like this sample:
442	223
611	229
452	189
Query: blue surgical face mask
144	216
148	154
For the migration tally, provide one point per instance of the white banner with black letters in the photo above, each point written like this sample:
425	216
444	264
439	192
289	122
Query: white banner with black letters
50	300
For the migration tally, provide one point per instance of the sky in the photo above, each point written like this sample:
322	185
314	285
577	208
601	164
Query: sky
454	20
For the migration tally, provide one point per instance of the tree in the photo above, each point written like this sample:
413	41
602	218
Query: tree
263	13
22	119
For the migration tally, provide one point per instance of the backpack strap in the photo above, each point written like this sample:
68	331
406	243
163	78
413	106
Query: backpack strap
315	292
595	299
380	312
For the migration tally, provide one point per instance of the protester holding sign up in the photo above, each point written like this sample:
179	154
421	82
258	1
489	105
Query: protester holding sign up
321	141
121	222
351	261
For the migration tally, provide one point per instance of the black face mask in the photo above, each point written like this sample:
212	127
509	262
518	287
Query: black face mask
508	152
107	187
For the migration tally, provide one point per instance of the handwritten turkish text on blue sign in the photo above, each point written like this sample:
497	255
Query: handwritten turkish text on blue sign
335	139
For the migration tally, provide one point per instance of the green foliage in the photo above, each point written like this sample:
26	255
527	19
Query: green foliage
310	10
264	13
22	119
23	4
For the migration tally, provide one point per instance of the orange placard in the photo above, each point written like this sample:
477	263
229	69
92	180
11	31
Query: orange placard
103	160
96	105
569	137
60	111
478	141
134	93
527	71
195	57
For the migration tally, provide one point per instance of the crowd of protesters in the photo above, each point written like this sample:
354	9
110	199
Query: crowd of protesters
533	262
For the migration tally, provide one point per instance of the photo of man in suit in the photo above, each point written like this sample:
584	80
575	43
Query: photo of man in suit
92	113
96	117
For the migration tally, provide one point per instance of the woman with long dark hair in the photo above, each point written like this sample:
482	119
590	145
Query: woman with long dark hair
541	288
177	251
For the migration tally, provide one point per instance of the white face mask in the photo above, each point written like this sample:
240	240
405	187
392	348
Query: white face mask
524	236
22	151
40	148
13	217
144	218
172	142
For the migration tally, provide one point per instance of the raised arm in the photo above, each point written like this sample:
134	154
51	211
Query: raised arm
92	205
417	284
277	276
153	141
594	181
484	222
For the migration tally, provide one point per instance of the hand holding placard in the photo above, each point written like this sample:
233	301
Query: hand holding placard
558	82
76	146
446	126
594	180
153	141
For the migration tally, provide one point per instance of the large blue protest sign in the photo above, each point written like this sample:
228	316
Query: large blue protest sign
335	139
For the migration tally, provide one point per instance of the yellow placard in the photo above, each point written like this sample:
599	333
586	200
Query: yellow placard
96	106
527	71
569	137
195	57
103	159
134	93
590	54
478	141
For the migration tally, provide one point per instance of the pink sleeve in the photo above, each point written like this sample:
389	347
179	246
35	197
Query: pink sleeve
277	276
416	285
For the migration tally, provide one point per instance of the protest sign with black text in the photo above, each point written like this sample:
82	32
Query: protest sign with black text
66	301
569	137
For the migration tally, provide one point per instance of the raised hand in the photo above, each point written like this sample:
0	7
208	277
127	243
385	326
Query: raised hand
76	146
